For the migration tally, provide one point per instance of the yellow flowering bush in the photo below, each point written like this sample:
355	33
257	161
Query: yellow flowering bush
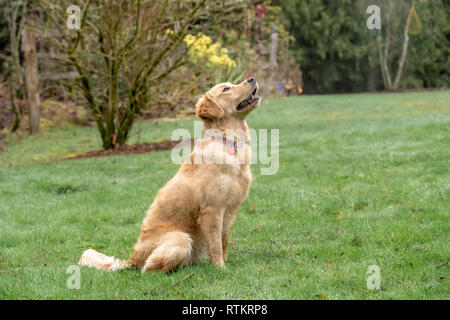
203	49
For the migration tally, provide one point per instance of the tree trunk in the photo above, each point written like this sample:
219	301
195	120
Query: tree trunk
15	108
32	79
404	51
273	57
384	57
16	74
384	54
383	63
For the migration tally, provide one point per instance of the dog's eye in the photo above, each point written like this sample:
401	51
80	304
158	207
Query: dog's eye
226	89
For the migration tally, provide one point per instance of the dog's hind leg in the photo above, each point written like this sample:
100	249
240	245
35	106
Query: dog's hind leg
174	250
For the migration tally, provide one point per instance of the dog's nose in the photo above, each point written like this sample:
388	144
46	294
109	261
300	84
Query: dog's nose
251	80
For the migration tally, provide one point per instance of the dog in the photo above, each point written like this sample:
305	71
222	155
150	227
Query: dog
193	213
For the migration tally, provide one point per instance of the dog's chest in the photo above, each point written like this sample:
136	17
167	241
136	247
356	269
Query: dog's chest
231	188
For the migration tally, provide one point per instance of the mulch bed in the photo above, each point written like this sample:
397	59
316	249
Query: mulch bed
131	149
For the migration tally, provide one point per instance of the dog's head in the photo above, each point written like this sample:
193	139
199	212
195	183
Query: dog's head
227	100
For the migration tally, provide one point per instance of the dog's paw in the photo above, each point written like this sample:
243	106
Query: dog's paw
219	263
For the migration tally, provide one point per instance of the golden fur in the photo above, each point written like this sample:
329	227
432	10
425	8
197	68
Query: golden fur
193	213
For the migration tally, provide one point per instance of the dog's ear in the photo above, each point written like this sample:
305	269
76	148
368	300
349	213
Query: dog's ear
208	109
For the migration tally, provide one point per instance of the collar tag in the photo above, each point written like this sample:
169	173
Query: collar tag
231	149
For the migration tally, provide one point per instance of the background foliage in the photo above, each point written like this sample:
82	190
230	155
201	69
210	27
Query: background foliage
338	53
324	46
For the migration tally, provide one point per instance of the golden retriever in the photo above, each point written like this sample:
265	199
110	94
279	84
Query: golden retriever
195	210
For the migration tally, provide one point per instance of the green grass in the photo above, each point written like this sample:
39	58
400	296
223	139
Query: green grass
363	180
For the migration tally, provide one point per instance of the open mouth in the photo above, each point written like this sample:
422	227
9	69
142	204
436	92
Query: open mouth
249	101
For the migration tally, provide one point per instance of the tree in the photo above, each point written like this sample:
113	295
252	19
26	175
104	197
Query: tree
384	46
428	61
122	50
14	13
32	78
332	44
338	53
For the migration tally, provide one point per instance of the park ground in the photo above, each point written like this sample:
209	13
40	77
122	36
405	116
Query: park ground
363	180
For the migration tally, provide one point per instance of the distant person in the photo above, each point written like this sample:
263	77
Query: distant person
288	87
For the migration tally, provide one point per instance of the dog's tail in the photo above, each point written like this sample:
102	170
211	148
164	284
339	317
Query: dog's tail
94	259
173	249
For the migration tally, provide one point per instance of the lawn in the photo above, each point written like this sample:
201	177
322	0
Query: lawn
363	180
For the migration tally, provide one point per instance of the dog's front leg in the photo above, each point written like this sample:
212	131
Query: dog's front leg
210	221
228	220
